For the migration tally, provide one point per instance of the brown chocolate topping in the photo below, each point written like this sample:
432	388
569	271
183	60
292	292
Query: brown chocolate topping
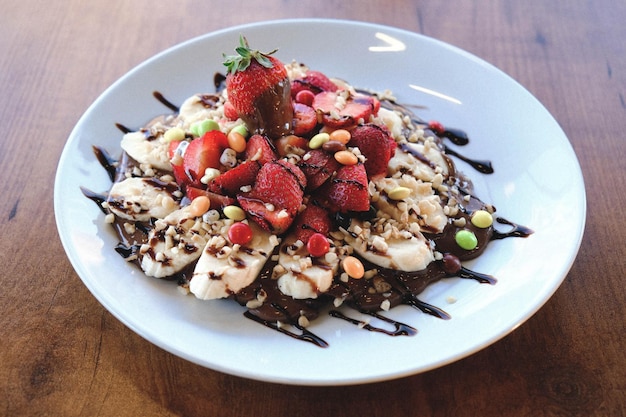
387	288
273	114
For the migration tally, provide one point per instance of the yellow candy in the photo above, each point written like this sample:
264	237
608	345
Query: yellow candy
399	193
174	134
318	140
234	212
482	219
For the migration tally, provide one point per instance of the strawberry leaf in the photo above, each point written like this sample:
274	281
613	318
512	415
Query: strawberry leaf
245	55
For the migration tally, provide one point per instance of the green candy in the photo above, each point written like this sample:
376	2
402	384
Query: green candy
466	240
241	129
200	128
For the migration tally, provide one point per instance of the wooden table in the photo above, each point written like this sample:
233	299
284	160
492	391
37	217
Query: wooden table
62	353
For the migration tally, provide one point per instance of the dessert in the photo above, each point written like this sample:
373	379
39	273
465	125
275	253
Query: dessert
295	194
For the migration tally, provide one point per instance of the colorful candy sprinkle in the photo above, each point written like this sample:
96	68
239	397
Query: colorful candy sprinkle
466	239
399	193
318	140
174	134
234	213
353	267
482	219
240	233
200	128
346	158
318	245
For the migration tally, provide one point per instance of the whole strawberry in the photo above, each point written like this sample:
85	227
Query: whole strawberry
259	90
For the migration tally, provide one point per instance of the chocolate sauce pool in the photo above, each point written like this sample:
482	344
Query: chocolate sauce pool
386	289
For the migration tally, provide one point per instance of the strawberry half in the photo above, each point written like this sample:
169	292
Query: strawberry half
314	81
260	148
376	145
275	197
217	200
259	90
347	191
230	182
196	156
313	219
338	111
176	151
318	166
304	119
204	152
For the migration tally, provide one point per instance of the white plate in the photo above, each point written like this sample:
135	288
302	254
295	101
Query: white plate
537	183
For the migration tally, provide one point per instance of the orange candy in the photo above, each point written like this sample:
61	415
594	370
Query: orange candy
341	136
353	267
346	158
199	206
236	141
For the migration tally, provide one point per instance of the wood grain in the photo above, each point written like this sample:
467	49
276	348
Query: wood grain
62	353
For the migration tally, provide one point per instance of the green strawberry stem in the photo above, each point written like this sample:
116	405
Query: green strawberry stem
244	57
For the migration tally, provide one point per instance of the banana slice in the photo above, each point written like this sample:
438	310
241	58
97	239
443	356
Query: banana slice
421	205
424	161
303	277
175	242
141	199
195	109
400	250
152	152
224	269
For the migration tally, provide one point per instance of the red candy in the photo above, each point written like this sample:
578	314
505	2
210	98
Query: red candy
318	245
240	233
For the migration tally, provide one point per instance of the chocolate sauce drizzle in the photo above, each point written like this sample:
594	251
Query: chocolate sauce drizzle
123	129
165	102
482	166
516	230
109	163
304	335
281	313
401	329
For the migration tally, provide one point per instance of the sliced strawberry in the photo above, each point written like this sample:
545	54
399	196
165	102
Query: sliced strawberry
374	143
347	191
280	183
337	114
230	182
313	81
304	119
305	97
273	220
260	148
276	196
202	153
313	219
318	166
217	200
176	151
